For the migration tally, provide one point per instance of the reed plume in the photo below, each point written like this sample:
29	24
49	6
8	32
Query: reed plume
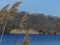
8	16
14	7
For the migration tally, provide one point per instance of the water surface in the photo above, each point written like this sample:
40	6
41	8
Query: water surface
10	39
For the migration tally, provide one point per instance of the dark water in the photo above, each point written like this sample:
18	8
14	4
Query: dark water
9	39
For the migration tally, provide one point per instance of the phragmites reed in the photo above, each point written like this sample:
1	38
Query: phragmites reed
14	7
24	21
8	15
26	39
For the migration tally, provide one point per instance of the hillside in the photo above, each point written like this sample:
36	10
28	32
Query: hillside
38	22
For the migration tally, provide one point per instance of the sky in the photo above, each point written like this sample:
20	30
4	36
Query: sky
48	7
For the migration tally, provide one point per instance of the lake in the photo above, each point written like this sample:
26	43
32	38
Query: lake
10	39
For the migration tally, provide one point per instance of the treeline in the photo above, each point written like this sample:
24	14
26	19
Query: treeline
38	22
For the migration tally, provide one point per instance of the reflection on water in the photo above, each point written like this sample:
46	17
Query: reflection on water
9	39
